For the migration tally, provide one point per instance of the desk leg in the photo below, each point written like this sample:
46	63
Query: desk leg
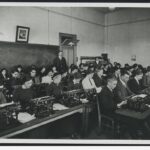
85	120
146	129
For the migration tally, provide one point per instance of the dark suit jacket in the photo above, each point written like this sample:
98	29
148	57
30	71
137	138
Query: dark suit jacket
61	65
54	90
134	86
98	81
121	92
107	102
97	64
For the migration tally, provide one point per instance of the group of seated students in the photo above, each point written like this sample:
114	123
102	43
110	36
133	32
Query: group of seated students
112	82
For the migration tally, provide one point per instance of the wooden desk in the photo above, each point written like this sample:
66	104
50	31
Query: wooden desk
133	114
40	122
135	120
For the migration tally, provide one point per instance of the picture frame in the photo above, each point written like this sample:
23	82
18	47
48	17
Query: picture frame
22	34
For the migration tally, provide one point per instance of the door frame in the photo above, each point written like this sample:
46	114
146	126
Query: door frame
74	36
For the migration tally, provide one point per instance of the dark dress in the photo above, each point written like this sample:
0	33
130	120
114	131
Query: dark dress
55	90
15	81
23	96
98	81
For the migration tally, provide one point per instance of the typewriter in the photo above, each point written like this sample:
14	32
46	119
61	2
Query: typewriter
42	106
9	115
137	103
91	94
146	91
72	98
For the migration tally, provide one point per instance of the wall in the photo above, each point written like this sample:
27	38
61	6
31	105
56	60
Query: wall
46	23
127	33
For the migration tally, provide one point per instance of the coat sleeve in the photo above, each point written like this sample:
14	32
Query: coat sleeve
49	90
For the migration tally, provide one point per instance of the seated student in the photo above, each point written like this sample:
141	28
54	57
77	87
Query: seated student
2	96
21	73
122	90
129	70
55	87
88	82
4	77
33	75
135	83
65	80
24	94
54	69
97	62
75	83
83	70
42	72
107	98
91	67
98	77
117	72
73	70
81	67
146	78
48	78
15	80
106	69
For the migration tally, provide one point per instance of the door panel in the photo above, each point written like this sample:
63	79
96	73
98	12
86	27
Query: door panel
68	53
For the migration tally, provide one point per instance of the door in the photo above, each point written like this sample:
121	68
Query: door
68	53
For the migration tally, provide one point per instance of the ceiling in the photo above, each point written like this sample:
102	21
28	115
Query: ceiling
106	9
100	9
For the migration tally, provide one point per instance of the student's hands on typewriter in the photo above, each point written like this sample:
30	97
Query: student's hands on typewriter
122	103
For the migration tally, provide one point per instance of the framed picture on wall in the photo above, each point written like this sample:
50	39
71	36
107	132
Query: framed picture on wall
22	34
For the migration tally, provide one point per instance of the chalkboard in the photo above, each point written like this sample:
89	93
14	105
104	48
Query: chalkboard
12	54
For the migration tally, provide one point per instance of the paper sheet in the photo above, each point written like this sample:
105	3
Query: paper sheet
141	95
6	104
58	106
98	90
24	117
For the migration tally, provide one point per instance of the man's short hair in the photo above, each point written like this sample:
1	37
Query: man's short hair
111	78
124	72
98	68
138	72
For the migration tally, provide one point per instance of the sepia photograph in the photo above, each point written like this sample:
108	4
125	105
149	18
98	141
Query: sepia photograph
75	74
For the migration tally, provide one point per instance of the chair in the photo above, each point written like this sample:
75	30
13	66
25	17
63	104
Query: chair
92	96
107	122
104	122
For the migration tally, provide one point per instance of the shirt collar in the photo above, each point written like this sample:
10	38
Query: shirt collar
136	79
109	88
123	82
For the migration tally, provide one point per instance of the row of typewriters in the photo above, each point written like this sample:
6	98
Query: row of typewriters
43	106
